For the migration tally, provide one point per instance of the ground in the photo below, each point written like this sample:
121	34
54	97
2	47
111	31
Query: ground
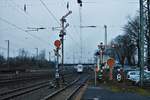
114	91
100	93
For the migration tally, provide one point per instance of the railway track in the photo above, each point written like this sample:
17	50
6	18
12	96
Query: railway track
68	91
20	91
24	90
17	80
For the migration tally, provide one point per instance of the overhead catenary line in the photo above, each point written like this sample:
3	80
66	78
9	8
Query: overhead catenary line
21	11
11	49
19	8
63	3
3	48
19	28
53	14
50	12
80	34
73	40
73	28
26	13
74	33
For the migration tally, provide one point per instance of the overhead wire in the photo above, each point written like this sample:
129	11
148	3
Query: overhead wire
19	28
27	14
24	13
3	48
73	40
54	16
50	12
75	31
10	50
72	31
18	6
21	10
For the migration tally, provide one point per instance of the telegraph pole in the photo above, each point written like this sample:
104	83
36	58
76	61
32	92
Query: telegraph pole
148	54
37	52
49	56
144	30
141	42
73	58
80	7
105	26
8	53
37	56
80	15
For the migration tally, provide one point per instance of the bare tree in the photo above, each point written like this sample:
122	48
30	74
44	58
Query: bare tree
124	49
126	45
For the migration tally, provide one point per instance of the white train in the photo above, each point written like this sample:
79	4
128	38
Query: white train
79	68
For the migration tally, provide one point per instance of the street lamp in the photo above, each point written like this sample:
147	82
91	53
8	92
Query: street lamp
7	53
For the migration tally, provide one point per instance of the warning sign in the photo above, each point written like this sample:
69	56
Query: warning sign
110	62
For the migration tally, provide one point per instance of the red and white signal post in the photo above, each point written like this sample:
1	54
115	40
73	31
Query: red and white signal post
110	63
57	44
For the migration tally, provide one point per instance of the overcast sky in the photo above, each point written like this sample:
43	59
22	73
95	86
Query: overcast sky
14	21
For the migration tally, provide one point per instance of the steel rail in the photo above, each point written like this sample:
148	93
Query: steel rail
67	87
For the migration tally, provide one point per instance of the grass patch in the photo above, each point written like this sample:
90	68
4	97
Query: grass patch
114	89
142	91
132	89
125	86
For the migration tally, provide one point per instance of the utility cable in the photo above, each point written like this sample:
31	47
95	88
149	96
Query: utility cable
26	14
19	28
50	12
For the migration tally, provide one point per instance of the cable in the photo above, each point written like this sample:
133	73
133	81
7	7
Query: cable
53	15
18	6
63	2
73	40
50	12
24	15
80	33
75	33
22	11
3	48
10	50
19	28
